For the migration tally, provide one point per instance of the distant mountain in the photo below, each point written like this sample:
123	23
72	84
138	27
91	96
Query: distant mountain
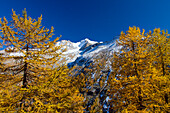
85	51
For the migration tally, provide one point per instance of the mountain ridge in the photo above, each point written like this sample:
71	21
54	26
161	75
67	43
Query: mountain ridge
79	53
84	50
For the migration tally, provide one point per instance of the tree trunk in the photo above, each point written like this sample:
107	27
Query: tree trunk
25	70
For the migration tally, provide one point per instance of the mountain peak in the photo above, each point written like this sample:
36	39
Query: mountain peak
89	41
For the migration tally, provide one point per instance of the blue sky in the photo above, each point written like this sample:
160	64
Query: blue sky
99	20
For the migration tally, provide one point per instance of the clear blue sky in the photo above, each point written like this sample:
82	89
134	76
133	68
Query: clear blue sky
99	20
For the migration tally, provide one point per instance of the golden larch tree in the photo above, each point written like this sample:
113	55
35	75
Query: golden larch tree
132	87
160	67
38	83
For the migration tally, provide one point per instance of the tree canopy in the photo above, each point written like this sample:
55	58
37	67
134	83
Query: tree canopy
33	81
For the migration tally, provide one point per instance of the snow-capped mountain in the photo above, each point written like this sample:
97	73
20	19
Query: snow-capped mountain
86	50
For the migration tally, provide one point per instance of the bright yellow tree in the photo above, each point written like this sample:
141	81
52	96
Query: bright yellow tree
133	84
36	82
160	58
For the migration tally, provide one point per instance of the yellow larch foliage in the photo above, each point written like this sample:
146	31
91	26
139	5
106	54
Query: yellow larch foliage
34	81
134	84
160	59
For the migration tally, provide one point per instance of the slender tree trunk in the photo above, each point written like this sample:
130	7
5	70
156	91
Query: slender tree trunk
25	71
162	61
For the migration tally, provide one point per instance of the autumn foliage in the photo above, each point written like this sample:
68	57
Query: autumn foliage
33	81
140	81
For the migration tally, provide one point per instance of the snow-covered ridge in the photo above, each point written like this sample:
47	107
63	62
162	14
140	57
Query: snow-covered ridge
86	50
77	44
74	50
80	52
